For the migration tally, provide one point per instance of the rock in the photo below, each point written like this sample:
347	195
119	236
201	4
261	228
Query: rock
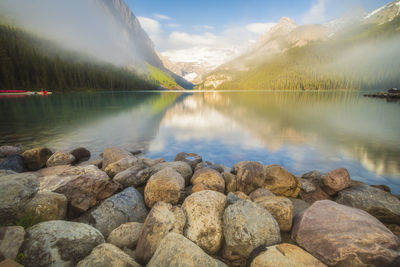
9	263
260	192
247	226
207	179
230	182
121	165
15	192
133	176
162	219
56	170
236	196
394	228
36	158
166	185
206	164
279	207
336	181
285	255
204	211
113	154
6	151
311	190
59	243
47	206
250	176
344	236
14	163
126	235
190	158
6	172
126	206
281	182
151	162
376	202
81	154
231	258
97	162
382	187
60	158
181	167
106	255
176	250
11	239
299	206
84	187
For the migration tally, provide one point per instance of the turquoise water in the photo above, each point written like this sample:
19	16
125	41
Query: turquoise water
302	131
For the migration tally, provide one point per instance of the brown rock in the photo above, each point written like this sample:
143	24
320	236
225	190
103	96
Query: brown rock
56	170
250	176
47	206
181	167
281	182
230	182
207	179
162	219
313	196
81	154
126	235
336	181
344	236
36	158
260	192
190	158
151	162
121	165
113	154
9	263
60	158
285	255
166	185
279	207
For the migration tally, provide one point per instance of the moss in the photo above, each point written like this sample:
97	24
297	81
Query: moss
28	220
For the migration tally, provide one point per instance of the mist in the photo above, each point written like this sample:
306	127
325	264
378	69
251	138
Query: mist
86	26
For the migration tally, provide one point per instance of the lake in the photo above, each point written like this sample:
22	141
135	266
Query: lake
302	131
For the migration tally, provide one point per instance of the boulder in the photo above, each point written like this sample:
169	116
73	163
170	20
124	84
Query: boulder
96	162
121	165
206	164
207	179
84	187
181	167
126	235
250	176
46	206
14	163
281	182
344	236
260	192
247	226
311	190
113	154
285	255
176	250
36	158
190	158
15	192
60	158
56	170
6	151
166	185
59	243
236	196
382	187
230	182
279	207
126	206
106	255
152	162
299	206
135	175
162	219
81	154
6	172
376	202
335	181
11	239
204	211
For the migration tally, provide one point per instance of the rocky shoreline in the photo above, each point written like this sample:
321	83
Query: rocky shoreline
387	95
59	209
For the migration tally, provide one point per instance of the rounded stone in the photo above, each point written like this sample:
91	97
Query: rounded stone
281	182
207	179
36	158
60	158
126	235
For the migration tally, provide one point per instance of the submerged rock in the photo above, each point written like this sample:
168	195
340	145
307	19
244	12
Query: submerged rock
207	179
60	158
204	211
36	158
59	243
344	236
14	163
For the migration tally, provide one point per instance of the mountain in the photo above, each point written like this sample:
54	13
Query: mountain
353	52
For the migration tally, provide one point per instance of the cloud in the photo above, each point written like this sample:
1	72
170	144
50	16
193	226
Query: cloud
173	25
162	17
317	13
203	27
260	28
152	28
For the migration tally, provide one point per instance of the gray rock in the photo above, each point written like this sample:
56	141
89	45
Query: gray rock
60	158
126	235
261	192
121	165
176	250
232	198
376	202
247	226
14	163
6	172
133	176
107	255
299	206
15	192
59	243
6	151
126	206
11	239
81	154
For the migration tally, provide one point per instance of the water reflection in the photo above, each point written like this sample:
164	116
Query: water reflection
299	130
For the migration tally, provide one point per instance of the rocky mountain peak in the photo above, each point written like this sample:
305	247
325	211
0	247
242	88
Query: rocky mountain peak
383	14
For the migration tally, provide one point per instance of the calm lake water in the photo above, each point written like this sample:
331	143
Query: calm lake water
302	131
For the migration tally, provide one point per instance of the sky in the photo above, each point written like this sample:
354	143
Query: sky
212	31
